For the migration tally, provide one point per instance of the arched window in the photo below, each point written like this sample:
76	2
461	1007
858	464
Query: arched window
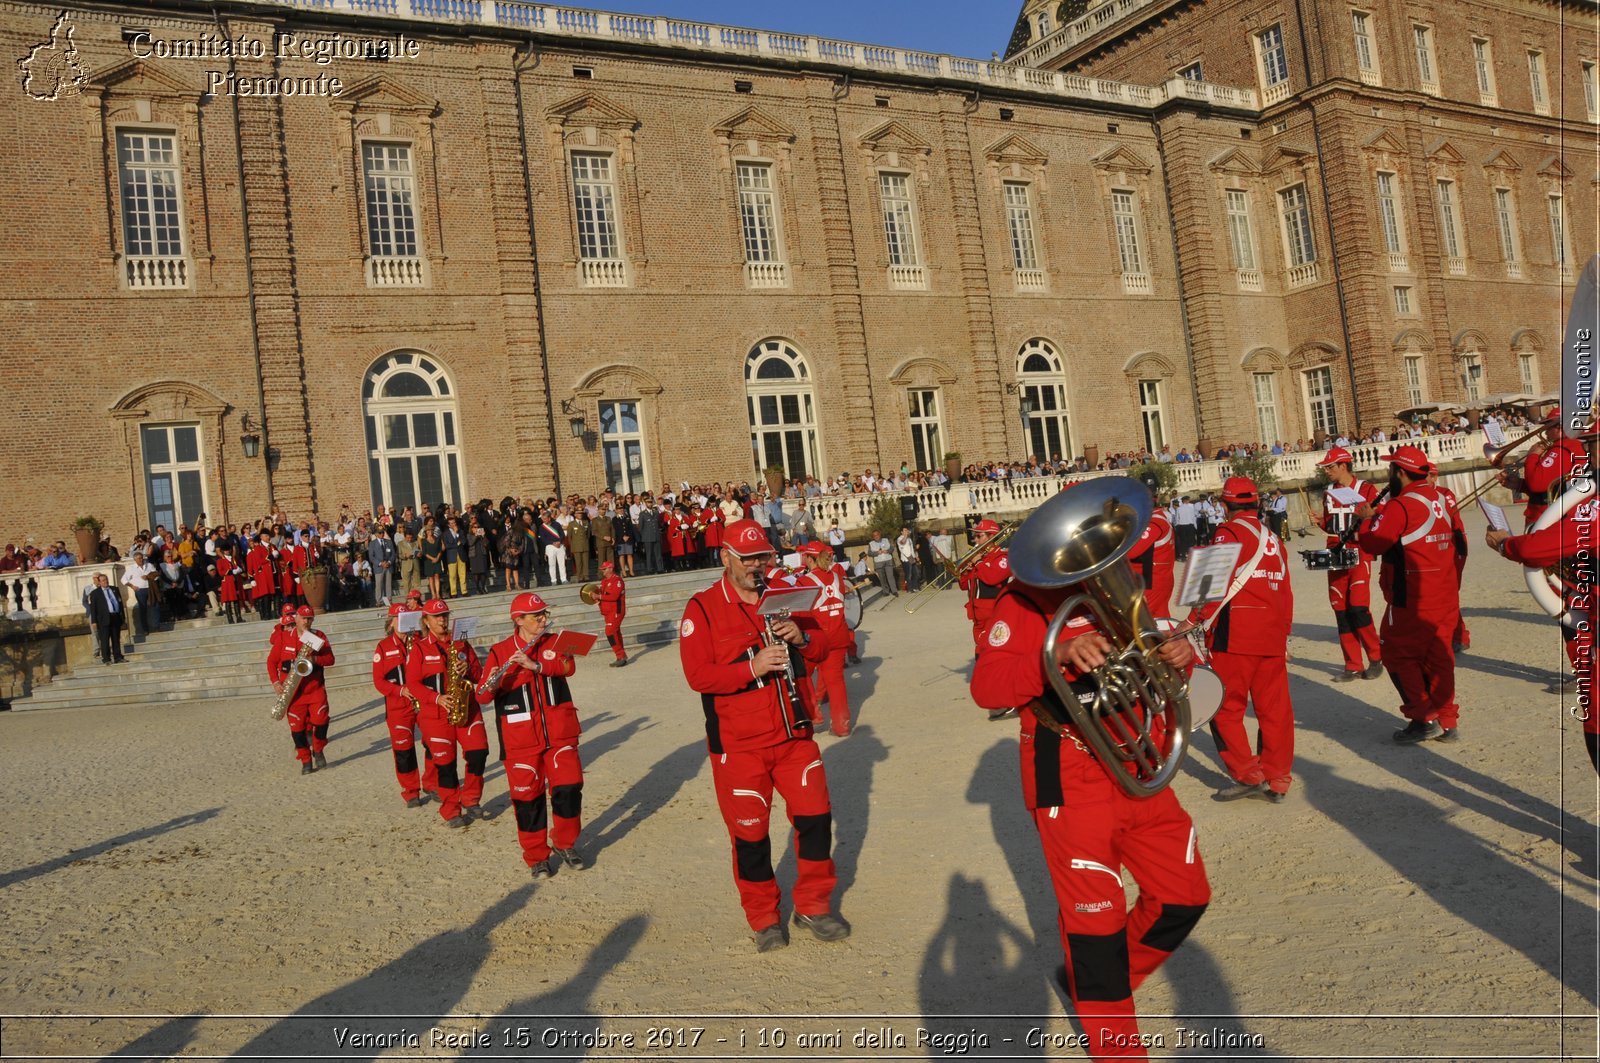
783	416
1044	386
413	439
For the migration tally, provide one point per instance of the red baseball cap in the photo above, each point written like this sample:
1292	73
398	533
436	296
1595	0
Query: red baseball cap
817	549
413	596
436	607
1411	459
396	608
305	610
746	539
1240	489
527	603
607	566
1336	456
288	610
986	525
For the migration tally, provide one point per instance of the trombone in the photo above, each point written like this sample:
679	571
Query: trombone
954	570
1496	457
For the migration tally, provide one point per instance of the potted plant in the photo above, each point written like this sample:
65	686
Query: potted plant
87	530
952	465
314	585
775	478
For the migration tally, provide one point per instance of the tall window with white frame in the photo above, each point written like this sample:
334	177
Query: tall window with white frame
601	263
1043	381
174	475
393	252
1272	64
1300	249
1265	392
1416	381
1560	253
152	210
622	446
1024	251
1450	236
1427	67
1483	63
1155	436
782	409
1124	216
1322	415
1528	372
764	265
1591	91
1538	88
1236	202
1505	217
1389	222
1472	377
1366	48
927	433
900	231
413	445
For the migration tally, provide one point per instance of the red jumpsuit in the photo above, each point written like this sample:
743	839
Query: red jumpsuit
1350	592
425	678
826	624
759	740
1248	637
389	677
538	728
983	584
308	709
1462	638
1414	535
1153	557
1090	829
1578	533
613	601
1544	475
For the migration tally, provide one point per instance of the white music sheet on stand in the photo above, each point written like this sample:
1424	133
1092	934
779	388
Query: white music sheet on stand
1494	433
1495	515
464	629
408	622
1206	575
310	639
1346	496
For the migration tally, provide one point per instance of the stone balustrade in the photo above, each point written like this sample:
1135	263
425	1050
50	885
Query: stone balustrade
54	592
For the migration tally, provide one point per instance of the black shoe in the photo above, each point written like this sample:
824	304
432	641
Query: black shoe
1002	714
416	802
1346	677
319	760
306	768
852	660
1241	789
457	822
1373	671
1416	731
823	927
569	857
540	870
1275	797
618	663
770	938
474	812
1448	735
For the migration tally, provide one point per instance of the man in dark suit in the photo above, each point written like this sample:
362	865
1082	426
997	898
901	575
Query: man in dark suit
108	616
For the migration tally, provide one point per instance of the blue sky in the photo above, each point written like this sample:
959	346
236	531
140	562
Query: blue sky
966	29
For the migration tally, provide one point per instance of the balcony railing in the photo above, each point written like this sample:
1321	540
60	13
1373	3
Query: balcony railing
908	278
1277	92
1249	280
1456	264
1430	87
57	591
1398	262
396	271
1136	283
603	273
766	275
1030	280
1303	274
144	272
1371	77
1514	269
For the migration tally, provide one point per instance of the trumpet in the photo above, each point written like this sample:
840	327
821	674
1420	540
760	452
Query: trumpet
955	570
1496	457
790	686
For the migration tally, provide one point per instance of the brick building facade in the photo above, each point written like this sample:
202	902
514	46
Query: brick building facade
715	248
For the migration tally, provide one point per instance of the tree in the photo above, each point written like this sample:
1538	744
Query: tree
1260	467
1166	477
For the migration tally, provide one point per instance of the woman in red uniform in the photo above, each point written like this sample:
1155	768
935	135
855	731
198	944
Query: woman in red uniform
308	709
426	673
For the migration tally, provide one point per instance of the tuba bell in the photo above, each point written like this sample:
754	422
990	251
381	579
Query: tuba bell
1133	711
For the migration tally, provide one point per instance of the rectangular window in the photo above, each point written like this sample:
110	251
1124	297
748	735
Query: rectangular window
1274	62
1150	414
1536	83
1297	226
1506	224
927	436
758	212
174	474
1266	406
1366	51
1528	372
899	227
391	212
1558	231
1319	400
1127	226
622	447
1239	236
1402	300
1422	44
152	226
595	205
1449	226
1472	377
1019	217
1591	93
1192	72
1416	391
1389	215
1483	58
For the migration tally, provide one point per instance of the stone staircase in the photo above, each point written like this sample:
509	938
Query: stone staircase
211	658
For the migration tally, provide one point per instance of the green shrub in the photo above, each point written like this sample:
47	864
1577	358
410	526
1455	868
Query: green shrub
1262	468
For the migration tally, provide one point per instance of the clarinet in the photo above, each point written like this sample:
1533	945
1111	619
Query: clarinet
771	639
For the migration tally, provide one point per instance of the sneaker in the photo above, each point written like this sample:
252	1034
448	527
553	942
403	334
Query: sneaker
319	760
570	858
1345	677
1448	735
1002	714
852	660
618	663
306	768
457	822
1274	796
1416	731
1374	670
416	802
1241	789
474	812
824	927
540	870
770	938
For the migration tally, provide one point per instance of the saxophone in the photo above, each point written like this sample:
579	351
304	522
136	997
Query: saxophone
291	682
458	688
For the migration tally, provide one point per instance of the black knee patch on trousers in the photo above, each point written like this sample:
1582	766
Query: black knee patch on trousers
814	836
753	859
1172	926
567	801
1216	736
1343	621
1100	966
1360	617
476	759
530	815
405	761
301	741
321	731
448	779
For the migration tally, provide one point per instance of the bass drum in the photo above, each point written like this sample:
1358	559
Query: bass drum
852	608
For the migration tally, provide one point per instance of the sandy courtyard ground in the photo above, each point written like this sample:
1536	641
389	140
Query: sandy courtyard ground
172	887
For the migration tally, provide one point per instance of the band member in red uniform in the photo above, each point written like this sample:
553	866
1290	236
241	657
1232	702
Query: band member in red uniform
1153	557
260	563
1350	589
676	526
230	584
426	671
827	625
1248	636
308	709
983	583
400	712
526	682
1462	639
1414	535
291	562
1089	828
760	739
613	601
713	520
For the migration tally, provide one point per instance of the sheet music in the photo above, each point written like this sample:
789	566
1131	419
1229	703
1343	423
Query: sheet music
409	622
1494	433
1206	575
310	639
800	600
464	628
1495	514
1346	496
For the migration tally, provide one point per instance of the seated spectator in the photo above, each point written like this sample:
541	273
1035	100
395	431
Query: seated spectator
57	557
